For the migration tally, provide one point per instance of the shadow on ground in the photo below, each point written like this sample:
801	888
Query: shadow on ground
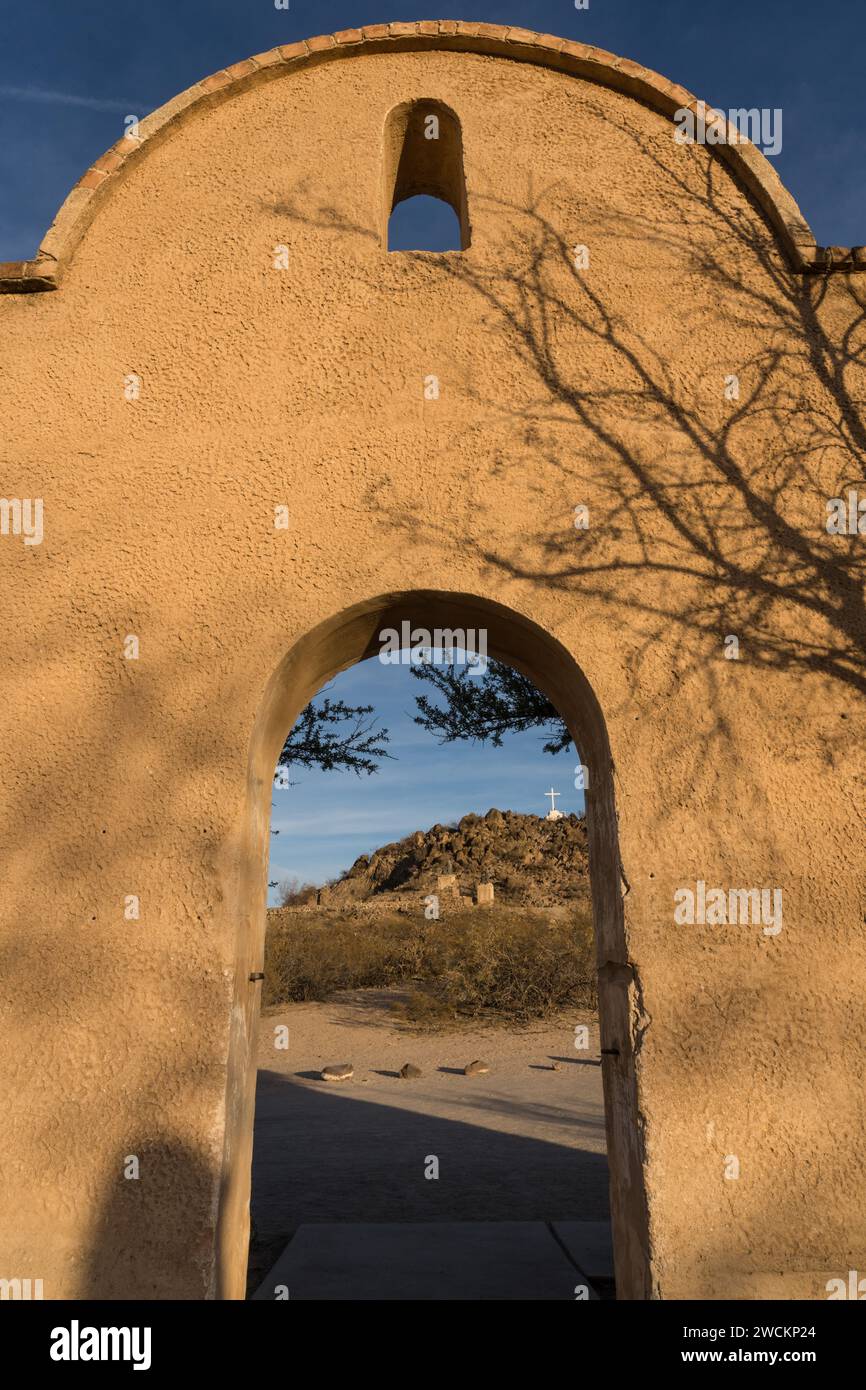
332	1155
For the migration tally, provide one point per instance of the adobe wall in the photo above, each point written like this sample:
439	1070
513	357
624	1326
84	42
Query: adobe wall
304	388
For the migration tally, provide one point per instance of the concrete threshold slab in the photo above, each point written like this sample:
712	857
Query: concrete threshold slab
459	1261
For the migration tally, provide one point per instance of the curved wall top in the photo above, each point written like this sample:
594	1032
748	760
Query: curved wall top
745	160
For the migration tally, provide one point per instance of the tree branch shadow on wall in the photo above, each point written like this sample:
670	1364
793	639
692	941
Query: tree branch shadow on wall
720	503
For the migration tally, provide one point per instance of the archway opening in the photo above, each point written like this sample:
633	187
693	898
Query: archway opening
509	638
422	158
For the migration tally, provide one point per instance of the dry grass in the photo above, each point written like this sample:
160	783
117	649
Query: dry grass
508	964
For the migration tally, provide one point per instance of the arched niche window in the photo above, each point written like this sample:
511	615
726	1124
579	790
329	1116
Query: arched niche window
423	159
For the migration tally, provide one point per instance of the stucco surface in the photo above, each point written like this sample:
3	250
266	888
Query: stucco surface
558	387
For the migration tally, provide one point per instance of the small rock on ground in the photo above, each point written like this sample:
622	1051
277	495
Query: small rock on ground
476	1069
409	1071
340	1071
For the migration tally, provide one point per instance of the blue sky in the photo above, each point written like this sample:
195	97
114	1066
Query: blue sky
70	72
328	818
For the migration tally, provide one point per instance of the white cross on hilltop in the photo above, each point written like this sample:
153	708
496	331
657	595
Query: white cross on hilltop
553	814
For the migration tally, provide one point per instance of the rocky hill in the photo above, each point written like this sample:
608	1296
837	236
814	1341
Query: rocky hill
530	860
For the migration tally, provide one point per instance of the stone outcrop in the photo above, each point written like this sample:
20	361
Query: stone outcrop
503	856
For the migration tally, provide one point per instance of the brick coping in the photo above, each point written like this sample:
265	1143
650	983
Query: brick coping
746	162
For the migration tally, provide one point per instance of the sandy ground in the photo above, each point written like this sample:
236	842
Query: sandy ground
525	1142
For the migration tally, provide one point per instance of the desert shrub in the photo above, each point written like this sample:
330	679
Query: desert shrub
517	965
514	965
311	955
293	893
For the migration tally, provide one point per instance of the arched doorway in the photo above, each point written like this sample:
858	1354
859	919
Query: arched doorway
354	635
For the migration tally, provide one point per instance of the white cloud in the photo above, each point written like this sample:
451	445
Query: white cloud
70	99
329	825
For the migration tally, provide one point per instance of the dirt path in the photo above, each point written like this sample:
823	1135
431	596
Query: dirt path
522	1143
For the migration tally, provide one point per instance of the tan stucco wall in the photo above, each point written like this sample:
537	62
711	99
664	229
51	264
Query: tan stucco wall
304	387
